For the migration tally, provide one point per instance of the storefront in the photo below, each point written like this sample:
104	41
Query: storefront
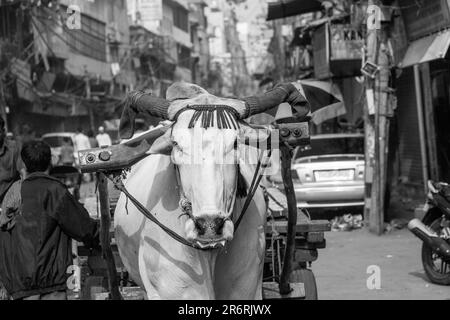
423	93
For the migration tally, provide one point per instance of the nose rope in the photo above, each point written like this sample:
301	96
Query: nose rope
184	203
118	183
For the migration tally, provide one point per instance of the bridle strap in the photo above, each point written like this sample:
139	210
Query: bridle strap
121	187
253	186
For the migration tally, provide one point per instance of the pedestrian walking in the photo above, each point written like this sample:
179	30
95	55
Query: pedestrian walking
26	134
81	140
92	139
36	235
10	171
103	138
11	166
66	157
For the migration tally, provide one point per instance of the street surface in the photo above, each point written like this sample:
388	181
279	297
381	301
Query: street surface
341	268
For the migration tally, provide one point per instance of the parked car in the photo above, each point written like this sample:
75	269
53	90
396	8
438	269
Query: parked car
55	141
330	174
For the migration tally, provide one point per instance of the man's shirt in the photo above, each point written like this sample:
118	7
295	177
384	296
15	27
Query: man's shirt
82	142
103	139
10	166
66	155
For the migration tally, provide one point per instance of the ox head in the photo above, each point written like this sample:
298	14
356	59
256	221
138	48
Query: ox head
203	144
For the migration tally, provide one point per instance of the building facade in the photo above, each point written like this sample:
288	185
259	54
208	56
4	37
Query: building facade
66	75
170	20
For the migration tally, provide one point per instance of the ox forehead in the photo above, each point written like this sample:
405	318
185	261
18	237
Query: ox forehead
228	134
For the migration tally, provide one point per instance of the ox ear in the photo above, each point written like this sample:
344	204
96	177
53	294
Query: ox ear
162	145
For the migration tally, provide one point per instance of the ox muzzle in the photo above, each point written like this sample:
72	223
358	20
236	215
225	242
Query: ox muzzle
209	230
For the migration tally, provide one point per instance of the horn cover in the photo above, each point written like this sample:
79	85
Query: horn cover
137	102
285	92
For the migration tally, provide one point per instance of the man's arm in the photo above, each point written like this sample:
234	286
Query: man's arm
109	139
75	221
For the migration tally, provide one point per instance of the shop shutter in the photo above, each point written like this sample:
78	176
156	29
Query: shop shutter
408	128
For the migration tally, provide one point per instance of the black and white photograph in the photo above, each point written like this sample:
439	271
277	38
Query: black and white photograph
257	152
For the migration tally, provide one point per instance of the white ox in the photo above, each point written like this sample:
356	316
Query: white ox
166	268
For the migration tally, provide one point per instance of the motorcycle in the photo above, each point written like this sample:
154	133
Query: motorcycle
434	231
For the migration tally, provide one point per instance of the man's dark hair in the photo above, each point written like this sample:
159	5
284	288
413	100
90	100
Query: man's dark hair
36	155
66	140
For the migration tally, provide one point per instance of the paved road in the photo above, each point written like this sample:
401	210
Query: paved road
341	268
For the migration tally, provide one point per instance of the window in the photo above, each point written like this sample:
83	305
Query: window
114	52
7	22
90	40
184	56
180	19
57	141
339	145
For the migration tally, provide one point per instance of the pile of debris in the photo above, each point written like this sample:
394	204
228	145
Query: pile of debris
395	224
347	222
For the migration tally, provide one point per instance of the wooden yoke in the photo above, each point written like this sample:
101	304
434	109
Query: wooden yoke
108	160
286	157
120	156
105	238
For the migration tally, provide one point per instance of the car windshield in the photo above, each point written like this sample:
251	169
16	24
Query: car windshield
333	146
56	141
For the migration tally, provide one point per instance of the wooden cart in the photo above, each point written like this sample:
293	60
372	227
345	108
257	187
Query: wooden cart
309	237
292	237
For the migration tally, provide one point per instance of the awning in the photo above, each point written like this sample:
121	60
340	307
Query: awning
430	48
288	8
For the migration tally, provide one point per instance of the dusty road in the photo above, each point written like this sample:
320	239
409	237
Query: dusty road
341	268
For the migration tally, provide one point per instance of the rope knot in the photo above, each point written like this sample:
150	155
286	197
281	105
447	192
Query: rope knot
186	206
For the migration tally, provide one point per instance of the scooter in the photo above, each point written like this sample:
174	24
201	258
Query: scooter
434	231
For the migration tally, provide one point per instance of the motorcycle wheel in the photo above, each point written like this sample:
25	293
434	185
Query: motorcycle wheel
437	270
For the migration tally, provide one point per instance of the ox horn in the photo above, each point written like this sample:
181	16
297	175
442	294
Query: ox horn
285	92
137	102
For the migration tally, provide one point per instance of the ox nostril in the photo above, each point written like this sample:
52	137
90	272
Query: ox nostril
218	225
200	223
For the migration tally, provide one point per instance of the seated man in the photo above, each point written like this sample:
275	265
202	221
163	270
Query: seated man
39	219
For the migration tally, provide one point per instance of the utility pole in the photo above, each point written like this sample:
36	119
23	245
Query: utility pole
376	130
279	54
3	105
383	97
88	98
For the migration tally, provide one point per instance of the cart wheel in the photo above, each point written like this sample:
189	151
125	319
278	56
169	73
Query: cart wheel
306	277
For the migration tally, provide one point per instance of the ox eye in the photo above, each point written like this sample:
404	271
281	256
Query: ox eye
176	145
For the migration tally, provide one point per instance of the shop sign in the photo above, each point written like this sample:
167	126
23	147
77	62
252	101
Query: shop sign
338	50
425	17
